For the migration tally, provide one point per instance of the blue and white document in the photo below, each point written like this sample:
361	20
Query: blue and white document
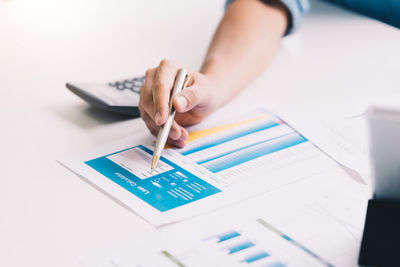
225	161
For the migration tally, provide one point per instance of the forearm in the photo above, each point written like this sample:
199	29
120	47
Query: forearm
243	45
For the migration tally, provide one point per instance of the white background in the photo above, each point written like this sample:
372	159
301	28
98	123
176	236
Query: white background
49	217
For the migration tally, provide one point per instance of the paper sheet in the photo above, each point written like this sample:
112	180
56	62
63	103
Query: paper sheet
222	164
343	133
343	136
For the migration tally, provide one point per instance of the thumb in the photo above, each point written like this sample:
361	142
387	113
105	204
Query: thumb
188	99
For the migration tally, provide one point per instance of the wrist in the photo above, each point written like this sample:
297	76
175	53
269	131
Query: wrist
219	92
222	91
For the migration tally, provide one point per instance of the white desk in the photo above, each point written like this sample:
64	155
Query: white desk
48	216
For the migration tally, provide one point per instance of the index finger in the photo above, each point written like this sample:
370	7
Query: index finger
162	85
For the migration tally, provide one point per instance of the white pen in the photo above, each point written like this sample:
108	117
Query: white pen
181	81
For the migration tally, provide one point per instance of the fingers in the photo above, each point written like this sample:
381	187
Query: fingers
155	97
180	142
162	85
189	98
146	97
149	122
177	135
175	132
176	143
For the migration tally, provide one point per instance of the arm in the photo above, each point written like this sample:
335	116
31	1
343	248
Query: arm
243	45
245	42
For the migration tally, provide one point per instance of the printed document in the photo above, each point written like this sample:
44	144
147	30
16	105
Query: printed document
226	160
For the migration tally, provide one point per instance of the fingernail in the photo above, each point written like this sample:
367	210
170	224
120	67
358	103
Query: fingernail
181	101
180	144
174	135
158	118
184	136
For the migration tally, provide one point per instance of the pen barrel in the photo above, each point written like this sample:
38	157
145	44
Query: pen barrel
180	82
163	134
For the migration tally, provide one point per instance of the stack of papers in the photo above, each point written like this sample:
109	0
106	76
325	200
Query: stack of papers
312	215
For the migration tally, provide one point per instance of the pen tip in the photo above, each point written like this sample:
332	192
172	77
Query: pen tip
154	162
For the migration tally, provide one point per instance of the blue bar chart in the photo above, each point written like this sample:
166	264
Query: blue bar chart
237	157
236	248
231	136
225	147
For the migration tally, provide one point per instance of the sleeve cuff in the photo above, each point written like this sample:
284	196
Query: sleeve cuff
296	10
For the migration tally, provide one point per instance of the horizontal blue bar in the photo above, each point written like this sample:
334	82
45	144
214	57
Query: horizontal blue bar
237	150
275	264
255	257
231	137
239	247
253	152
227	236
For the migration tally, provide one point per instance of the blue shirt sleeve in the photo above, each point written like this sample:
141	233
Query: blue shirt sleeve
384	10
296	10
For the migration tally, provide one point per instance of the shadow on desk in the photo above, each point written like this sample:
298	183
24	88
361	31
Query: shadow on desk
86	117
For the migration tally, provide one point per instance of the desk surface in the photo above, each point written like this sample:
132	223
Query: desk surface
49	217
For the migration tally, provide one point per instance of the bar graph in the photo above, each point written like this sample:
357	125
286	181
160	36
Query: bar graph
237	249
227	146
259	243
253	242
245	154
231	136
201	133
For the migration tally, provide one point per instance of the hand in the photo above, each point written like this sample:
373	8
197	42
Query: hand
192	105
